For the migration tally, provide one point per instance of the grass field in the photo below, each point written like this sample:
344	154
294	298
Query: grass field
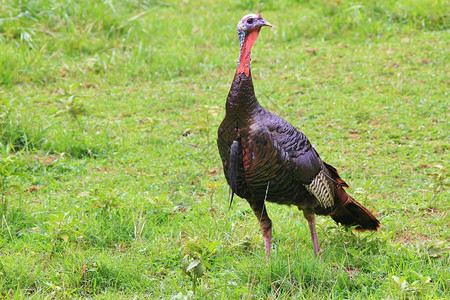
110	178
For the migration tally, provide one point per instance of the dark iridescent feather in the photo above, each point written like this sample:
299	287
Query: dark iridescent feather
233	168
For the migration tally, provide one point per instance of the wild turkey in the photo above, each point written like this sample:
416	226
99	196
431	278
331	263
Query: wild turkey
267	159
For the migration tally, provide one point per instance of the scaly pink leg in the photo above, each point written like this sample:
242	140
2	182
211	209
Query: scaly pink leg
312	228
268	242
259	209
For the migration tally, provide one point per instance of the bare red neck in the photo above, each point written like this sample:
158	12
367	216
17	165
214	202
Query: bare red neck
244	58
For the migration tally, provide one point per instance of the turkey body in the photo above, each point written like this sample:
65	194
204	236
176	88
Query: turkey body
274	157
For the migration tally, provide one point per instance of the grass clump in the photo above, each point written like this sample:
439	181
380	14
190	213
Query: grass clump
17	131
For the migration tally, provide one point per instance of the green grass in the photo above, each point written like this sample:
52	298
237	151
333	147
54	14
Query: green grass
103	196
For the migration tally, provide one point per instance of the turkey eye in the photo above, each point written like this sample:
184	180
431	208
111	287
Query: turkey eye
250	21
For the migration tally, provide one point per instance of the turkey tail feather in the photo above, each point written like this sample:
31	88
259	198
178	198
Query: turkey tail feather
335	176
350	212
232	169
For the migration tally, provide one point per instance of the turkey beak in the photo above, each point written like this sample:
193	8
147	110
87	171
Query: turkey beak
265	23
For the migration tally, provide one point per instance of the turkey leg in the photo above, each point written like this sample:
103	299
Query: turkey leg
260	211
309	215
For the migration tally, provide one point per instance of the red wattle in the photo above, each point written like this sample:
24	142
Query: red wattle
244	58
